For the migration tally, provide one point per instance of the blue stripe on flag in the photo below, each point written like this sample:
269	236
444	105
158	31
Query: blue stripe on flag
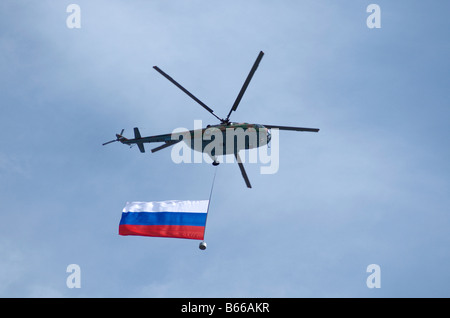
163	218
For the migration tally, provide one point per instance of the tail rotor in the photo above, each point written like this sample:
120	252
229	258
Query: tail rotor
119	137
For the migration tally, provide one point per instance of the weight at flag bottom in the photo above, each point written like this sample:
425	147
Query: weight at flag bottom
173	218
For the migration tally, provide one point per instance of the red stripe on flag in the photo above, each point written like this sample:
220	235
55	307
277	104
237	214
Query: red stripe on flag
177	231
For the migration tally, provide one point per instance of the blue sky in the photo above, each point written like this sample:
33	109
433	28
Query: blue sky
370	188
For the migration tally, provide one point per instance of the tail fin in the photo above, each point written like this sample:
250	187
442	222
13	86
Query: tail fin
137	135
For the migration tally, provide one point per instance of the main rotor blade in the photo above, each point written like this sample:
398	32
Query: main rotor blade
241	167
167	144
247	81
292	128
186	91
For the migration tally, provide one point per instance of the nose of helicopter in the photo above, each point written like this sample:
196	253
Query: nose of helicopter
264	129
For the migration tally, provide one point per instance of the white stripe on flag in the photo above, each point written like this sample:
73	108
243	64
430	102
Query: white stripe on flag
191	206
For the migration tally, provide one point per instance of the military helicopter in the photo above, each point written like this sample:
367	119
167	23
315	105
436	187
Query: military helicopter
262	131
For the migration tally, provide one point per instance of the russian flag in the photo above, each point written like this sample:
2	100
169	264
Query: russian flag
174	218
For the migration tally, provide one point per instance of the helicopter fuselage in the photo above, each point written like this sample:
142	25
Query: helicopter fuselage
224	139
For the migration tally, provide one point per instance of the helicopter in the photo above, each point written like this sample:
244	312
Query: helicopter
191	137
